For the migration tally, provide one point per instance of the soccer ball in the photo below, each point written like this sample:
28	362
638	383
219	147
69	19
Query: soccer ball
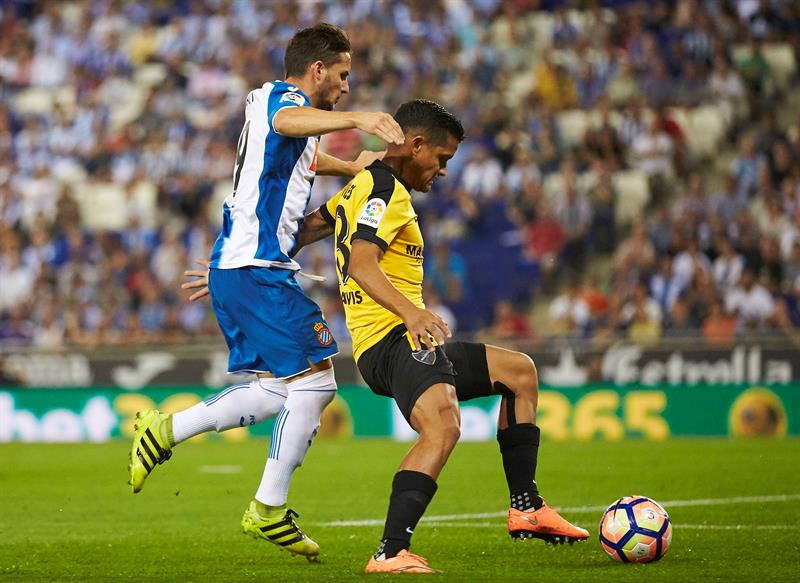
635	529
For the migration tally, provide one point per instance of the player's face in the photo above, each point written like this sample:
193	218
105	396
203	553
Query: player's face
430	162
334	83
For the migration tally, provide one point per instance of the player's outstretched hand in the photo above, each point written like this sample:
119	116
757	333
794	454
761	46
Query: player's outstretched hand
423	325
381	125
201	282
366	158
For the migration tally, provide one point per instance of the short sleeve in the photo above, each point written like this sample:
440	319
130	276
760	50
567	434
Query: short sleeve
384	213
284	95
328	210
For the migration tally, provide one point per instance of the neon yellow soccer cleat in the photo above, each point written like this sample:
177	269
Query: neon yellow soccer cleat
151	445
280	529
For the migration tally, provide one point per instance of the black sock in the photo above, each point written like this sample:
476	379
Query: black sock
411	493
519	446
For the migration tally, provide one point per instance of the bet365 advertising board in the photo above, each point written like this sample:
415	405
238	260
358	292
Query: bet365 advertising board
588	412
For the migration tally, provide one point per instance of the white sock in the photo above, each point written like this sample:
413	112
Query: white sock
295	428
237	406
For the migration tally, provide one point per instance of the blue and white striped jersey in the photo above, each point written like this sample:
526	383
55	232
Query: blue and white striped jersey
272	182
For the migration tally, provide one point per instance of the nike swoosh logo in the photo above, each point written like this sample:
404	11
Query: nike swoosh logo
409	530
533	521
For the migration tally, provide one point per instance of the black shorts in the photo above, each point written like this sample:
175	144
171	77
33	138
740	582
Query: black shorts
392	369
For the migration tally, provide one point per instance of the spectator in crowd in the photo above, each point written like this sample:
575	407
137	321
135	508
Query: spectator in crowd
433	302
746	167
595	298
727	89
694	204
483	175
570	314
728	266
679	323
447	272
642	328
640	301
554	86
636	250
510	325
791	273
652	153
687	263
749	302
719	328
603	195
603	142
726	204
664	286
573	212
17	279
545	240
147	99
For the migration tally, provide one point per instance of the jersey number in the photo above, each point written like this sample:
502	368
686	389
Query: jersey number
241	152
342	252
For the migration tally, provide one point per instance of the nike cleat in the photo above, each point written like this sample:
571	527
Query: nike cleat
404	562
545	524
151	446
281	530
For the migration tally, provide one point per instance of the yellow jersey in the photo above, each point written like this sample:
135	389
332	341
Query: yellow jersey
376	206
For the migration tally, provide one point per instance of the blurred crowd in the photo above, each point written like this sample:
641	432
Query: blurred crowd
145	99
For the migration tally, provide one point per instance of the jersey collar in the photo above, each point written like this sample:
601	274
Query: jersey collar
383	166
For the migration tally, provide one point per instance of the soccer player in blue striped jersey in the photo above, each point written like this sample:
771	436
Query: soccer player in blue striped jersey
271	327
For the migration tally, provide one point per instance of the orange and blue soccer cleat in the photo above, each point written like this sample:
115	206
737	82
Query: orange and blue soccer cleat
404	562
545	524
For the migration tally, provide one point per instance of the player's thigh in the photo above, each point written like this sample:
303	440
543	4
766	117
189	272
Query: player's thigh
275	319
481	368
391	368
296	315
470	364
243	354
436	411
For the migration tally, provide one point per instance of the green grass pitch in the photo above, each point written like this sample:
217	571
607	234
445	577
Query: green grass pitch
67	514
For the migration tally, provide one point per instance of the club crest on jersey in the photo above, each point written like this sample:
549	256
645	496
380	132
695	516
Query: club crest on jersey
373	212
323	334
295	98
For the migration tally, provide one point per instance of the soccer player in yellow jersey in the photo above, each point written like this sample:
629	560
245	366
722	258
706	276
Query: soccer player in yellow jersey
401	348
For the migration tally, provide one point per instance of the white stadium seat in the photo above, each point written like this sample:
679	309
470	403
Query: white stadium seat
632	195
572	124
705	130
104	206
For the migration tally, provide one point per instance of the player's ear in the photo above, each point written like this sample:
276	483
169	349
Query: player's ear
417	142
318	70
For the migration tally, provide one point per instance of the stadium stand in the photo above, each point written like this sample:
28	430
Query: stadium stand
119	121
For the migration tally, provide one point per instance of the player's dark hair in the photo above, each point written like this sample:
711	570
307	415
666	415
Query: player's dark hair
431	118
321	42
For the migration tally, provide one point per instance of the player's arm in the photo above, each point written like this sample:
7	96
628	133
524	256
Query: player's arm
302	122
316	226
365	270
328	165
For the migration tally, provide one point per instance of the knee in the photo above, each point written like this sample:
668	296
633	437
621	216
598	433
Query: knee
526	376
451	433
445	431
311	403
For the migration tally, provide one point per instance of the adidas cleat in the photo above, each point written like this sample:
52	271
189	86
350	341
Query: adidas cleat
404	562
151	446
545	524
281	530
